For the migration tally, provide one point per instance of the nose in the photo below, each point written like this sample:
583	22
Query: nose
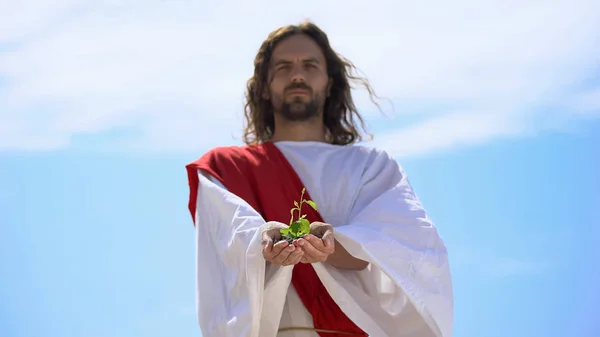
298	74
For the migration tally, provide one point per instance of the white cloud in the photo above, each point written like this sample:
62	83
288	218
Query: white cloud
500	267
172	72
587	103
498	264
449	131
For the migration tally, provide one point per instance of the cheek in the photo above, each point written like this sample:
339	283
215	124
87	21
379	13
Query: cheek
321	90
320	83
276	87
276	93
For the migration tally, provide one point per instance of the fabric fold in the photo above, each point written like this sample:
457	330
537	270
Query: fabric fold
231	269
405	291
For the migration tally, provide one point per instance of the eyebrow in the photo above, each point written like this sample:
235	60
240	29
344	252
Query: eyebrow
307	60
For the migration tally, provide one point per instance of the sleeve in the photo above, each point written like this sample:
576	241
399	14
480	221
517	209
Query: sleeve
231	277
407	288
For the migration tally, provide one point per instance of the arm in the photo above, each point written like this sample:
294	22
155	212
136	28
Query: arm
390	229
275	253
231	279
320	246
342	259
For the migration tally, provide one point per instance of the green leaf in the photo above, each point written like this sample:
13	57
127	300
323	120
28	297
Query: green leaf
312	204
284	231
304	227
295	227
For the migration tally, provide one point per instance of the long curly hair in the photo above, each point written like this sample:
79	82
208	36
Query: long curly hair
340	116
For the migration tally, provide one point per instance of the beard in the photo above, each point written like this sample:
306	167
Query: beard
299	109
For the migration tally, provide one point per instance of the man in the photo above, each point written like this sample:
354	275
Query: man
373	263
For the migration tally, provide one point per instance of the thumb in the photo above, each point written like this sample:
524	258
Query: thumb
328	238
267	243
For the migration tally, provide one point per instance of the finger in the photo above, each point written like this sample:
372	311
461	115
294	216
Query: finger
279	246
267	244
316	243
294	257
283	255
319	228
297	260
275	249
299	257
329	241
313	254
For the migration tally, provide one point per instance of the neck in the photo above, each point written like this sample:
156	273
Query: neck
312	130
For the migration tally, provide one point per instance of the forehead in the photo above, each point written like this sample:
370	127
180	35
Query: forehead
297	46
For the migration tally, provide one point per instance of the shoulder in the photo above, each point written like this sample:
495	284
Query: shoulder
378	164
374	156
219	160
232	153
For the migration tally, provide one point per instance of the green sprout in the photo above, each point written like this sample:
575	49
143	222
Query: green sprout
300	227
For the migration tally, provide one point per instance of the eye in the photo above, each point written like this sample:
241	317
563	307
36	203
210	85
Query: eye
282	67
310	65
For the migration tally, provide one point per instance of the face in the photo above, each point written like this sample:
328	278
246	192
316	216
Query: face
298	78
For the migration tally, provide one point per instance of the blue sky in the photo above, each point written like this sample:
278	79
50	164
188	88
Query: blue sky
103	105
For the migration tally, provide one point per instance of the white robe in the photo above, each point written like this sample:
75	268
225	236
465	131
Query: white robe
366	196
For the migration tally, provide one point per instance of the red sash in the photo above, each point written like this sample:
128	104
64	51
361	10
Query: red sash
262	176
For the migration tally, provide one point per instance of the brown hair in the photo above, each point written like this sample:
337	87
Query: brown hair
340	115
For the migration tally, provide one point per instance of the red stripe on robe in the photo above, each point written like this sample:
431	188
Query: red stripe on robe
262	176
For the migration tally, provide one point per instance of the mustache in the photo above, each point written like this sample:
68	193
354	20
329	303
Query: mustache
298	86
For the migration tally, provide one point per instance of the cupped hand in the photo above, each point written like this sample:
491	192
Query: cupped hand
279	252
318	245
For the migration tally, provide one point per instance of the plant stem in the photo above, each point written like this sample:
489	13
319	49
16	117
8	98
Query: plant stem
299	208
